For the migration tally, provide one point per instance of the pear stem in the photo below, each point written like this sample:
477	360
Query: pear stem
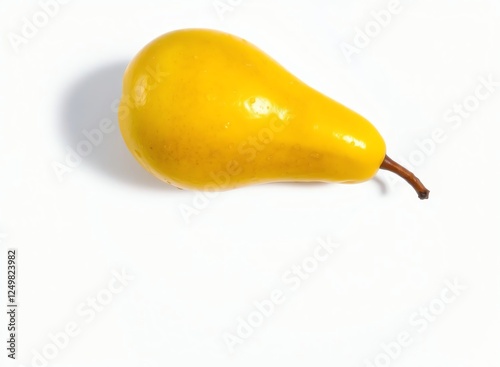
389	165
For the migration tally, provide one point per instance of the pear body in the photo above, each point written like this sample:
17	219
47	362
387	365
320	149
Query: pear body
206	110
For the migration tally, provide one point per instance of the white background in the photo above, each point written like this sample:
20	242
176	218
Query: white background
194	279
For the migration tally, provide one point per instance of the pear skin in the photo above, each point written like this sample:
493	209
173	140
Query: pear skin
206	110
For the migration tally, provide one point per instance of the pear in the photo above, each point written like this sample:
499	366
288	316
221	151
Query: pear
206	110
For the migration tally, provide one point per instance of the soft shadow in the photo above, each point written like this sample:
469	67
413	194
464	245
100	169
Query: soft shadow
90	100
381	184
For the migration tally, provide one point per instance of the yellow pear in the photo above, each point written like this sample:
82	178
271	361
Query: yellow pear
206	110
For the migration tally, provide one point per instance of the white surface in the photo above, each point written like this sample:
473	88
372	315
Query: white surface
193	280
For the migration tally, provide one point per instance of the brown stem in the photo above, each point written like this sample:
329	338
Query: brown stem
389	165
